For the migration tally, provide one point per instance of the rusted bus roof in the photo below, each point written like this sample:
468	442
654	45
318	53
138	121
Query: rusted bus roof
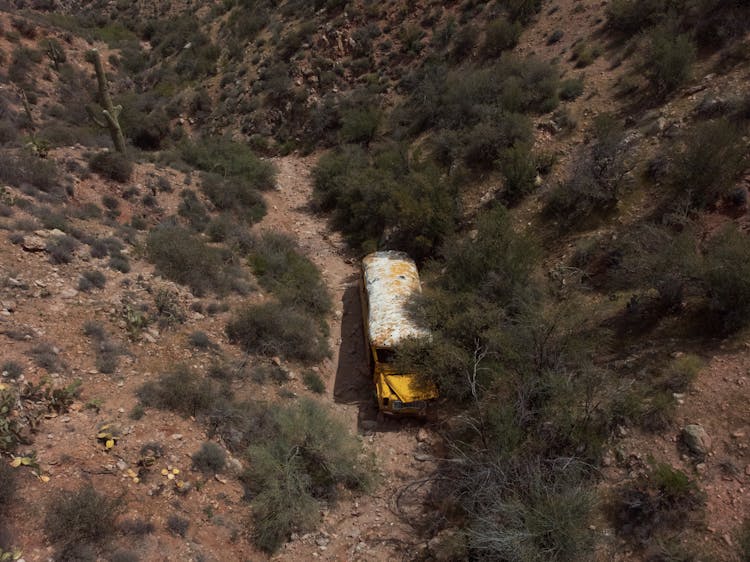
391	278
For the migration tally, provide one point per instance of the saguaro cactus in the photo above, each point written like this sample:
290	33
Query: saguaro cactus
111	113
55	53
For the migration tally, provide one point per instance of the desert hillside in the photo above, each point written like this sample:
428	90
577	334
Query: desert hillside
187	190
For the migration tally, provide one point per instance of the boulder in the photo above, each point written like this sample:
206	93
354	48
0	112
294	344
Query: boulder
697	440
34	243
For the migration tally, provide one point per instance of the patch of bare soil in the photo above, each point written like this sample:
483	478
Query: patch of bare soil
719	401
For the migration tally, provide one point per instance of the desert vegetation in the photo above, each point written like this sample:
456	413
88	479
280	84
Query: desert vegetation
185	193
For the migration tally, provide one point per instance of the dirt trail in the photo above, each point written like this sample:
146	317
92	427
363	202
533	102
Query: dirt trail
368	527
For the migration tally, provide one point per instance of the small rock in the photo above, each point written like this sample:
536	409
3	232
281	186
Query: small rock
423	436
176	436
234	466
68	293
697	439
149	338
700	468
422	457
739	434
122	465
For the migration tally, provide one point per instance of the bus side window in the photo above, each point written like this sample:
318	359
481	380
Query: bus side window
385	355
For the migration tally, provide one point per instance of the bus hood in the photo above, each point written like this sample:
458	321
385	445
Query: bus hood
408	388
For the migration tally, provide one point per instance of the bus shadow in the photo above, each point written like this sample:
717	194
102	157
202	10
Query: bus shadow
353	383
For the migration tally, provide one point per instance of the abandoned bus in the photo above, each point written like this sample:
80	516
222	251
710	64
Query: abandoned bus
389	279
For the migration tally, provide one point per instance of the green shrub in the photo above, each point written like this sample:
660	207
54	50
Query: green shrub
11	369
522	10
631	16
9	426
221	227
301	459
8	481
666	500
95	330
388	201
584	54
518	167
680	373
27	28
81	516
181	390
263	373
668	59
144	120
21	66
461	98
124	556
201	340
119	262
359	125
91	279
411	38
500	35
654	259
107	356
484	143
727	278
210	458
246	21
8	132
112	165
571	88
273	329
25	167
178	525
282	269
313	382
555	37
193	210
61	249
597	178
184	258
464	41
706	167
229	159
547	520
234	195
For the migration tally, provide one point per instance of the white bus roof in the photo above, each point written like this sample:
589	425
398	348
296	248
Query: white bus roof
390	278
